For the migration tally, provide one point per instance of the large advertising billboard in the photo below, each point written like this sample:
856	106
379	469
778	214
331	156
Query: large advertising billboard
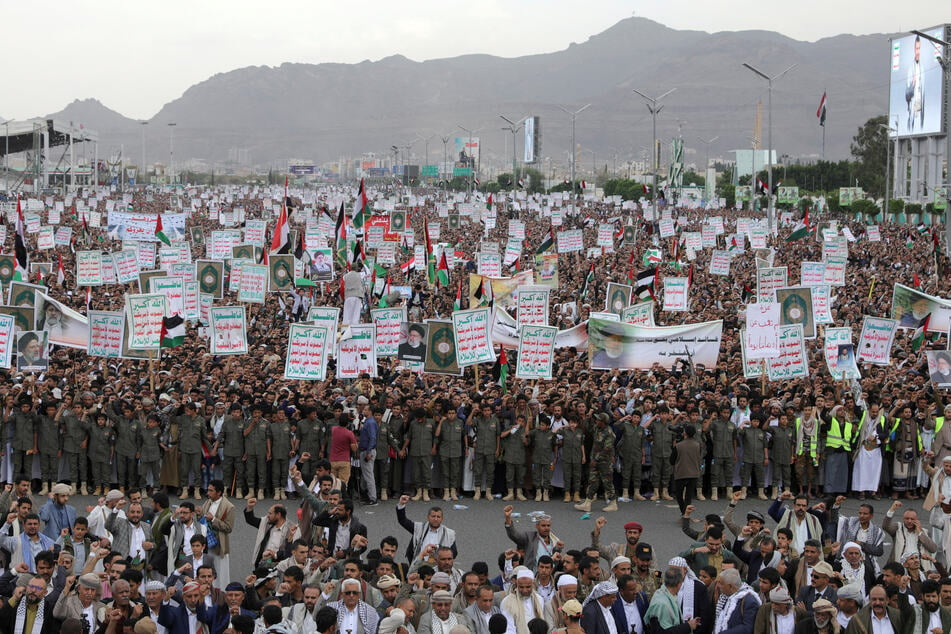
915	84
467	150
532	139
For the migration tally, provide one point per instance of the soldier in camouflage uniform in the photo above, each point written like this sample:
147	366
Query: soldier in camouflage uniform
48	428
150	453
74	439
422	445
231	440
753	439
542	441
648	578
572	457
24	438
279	451
382	460
191	433
101	450
781	453
128	438
487	449
663	437
723	433
451	434
601	465
631	449
396	437
255	445
312	433
514	441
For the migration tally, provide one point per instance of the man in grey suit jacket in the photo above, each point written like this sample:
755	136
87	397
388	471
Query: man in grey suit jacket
124	527
74	605
478	614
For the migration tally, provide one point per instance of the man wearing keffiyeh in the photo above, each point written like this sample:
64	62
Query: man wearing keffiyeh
737	606
26	611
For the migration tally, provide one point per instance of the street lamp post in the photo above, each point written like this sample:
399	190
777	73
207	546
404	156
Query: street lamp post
142	168
888	161
571	154
769	149
654	109
513	127
171	152
707	143
946	67
445	159
470	159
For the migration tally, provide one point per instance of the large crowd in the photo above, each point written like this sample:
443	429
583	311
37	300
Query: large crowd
220	434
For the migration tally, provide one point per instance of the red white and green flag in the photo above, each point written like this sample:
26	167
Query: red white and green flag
361	208
921	332
159	232
442	273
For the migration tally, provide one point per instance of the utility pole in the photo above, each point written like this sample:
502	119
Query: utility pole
654	109
513	127
571	154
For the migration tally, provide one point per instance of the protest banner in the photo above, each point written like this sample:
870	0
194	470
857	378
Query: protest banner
173	288
441	348
752	368
145	313
536	351
190	301
252	283
693	240
762	331
89	268
571	240
822	304
205	302
812	273
768	279
641	314
140	227
32	351
791	362
874	233
667	229
62	236
605	235
796	307
7	328
327	315
471	330
281	273
210	275
546	270
221	243
911	306
307	347
623	346
513	251
65	326
228	330
720	263
105	334
875	342
708	237
356	351
939	368
533	305
489	264
45	239
835	337
255	231
676	294
389	325
617	297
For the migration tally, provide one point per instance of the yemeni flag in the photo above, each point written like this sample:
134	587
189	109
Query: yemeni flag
547	244
800	231
173	331
159	233
503	371
442	273
761	187
361	207
920	333
821	110
588	281
279	241
409	265
340	235
60	271
457	305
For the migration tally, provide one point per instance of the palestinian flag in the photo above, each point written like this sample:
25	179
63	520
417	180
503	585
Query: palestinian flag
921	332
361	207
588	281
60	271
547	244
488	203
457	305
159	233
173	331
484	292
747	293
442	273
20	252
916	282
922	229
821	110
652	256
503	370
340	234
430	258
800	231
733	245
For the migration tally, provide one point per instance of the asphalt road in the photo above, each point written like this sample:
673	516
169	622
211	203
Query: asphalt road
480	533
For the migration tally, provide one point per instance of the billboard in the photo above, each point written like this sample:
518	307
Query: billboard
533	139
467	150
915	84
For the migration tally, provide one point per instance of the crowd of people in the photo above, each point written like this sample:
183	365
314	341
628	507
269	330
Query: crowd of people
216	433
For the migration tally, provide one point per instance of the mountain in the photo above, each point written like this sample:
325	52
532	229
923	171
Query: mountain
326	111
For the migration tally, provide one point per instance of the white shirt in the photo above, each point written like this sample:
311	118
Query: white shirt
343	535
350	622
431	537
136	537
161	629
192	621
90	617
882	626
934	620
843	619
633	616
546	592
800	535
188	531
609	619
785	623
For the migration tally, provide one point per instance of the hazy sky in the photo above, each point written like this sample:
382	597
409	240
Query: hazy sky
136	56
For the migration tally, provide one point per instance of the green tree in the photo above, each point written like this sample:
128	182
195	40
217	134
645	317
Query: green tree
869	147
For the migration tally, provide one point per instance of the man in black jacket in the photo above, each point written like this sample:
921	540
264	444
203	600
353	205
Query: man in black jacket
342	525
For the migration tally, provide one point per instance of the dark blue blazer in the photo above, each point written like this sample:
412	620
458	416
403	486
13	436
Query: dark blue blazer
175	617
620	617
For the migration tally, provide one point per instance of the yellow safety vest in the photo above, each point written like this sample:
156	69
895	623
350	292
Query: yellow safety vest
938	424
812	440
891	434
839	438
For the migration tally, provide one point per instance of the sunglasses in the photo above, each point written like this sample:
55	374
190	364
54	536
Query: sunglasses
350	592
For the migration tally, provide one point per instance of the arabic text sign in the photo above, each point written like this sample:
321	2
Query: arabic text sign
471	331
536	350
307	347
105	334
228	330
875	342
